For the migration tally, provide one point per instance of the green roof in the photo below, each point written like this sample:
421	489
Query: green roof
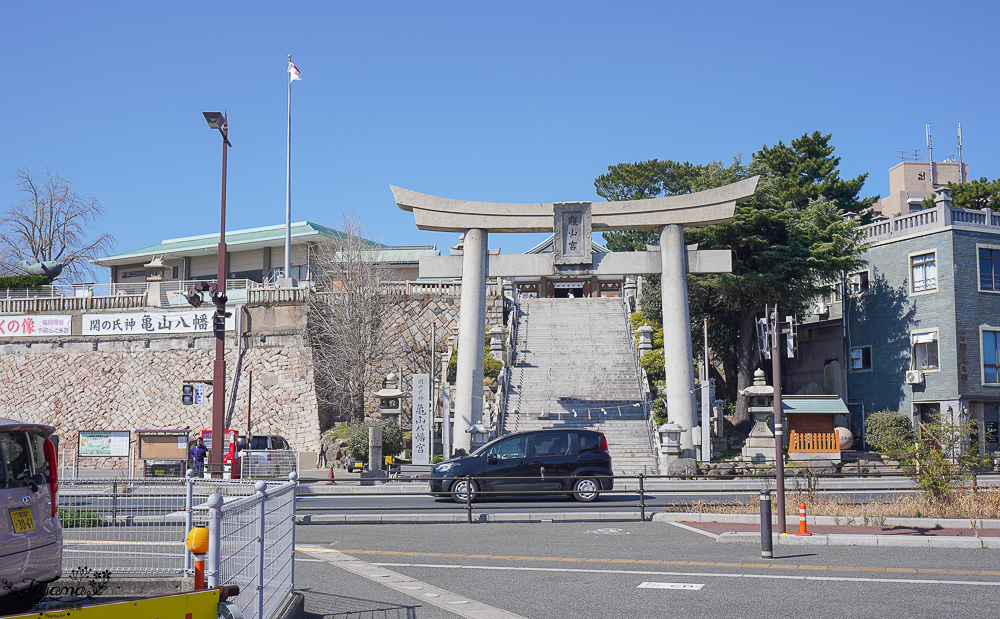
813	404
253	238
545	247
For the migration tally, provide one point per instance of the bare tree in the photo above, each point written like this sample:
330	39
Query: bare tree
51	223
347	318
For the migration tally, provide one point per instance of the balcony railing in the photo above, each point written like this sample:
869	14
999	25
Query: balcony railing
929	219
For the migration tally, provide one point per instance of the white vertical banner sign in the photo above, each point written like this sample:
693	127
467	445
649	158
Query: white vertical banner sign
421	419
446	420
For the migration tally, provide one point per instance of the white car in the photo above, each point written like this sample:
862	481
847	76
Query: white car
31	537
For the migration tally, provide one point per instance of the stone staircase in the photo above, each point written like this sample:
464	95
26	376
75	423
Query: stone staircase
573	368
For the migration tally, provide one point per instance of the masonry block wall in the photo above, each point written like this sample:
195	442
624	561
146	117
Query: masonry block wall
134	382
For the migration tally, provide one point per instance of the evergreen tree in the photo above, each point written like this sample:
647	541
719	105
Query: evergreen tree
789	241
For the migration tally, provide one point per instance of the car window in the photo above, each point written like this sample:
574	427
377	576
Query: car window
510	448
278	443
16	456
589	443
38	452
258	442
556	444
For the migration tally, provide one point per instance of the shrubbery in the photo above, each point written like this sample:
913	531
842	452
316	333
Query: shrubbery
889	432
24	281
392	440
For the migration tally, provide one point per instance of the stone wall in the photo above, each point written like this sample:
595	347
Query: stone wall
410	338
134	382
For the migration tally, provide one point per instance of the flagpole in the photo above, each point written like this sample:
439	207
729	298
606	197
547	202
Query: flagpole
288	182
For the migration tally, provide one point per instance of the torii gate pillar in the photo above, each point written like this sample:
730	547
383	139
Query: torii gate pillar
677	349
471	331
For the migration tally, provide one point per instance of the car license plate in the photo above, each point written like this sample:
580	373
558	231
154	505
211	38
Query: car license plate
22	520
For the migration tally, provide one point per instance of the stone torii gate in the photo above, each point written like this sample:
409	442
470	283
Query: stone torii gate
573	223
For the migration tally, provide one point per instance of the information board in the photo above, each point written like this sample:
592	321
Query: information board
100	443
163	445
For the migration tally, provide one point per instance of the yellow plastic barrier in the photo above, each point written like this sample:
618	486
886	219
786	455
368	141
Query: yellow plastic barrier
189	605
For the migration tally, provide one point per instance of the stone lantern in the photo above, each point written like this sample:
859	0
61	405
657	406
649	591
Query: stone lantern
154	275
645	333
480	435
670	443
759	446
390	398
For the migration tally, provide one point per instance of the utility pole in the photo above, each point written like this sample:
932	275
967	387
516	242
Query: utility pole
779	419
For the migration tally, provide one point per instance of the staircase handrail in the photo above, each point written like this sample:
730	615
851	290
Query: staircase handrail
639	373
509	294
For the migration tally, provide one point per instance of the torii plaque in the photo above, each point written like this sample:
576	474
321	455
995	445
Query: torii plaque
571	220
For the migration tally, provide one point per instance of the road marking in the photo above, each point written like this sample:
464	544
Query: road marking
452	602
681	525
975	583
771	566
670	585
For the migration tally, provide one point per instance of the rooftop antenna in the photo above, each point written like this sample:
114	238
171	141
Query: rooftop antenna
930	154
961	169
902	155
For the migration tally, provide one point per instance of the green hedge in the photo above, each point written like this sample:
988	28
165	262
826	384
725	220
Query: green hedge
24	281
889	432
392	440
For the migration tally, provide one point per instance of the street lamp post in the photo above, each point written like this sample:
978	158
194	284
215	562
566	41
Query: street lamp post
218	120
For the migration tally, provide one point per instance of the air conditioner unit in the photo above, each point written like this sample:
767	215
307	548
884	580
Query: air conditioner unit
914	377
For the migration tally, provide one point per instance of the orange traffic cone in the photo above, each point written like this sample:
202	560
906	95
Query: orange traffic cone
330	476
802	521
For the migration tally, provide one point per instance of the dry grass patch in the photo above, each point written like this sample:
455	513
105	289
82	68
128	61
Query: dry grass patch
962	503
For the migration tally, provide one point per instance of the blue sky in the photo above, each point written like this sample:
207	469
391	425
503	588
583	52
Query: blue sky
496	101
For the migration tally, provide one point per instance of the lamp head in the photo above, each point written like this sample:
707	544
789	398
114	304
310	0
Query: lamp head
216	120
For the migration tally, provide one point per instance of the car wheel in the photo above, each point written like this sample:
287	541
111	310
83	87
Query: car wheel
586	490
461	489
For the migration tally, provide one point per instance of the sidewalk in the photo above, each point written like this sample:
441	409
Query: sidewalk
840	531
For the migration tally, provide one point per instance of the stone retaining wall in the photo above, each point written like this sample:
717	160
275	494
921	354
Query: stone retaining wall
134	382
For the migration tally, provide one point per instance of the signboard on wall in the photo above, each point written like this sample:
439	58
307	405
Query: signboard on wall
144	323
421	419
101	443
35	325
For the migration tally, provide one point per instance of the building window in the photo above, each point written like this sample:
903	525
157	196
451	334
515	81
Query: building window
923	272
991	357
989	269
861	358
174	276
131	274
859	282
925	351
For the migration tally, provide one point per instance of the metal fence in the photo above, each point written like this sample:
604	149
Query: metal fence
138	527
268	463
252	545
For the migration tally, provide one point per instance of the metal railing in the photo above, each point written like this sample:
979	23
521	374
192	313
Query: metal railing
251	544
639	373
268	463
510	346
134	526
652	491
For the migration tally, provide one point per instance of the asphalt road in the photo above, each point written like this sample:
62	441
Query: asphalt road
596	570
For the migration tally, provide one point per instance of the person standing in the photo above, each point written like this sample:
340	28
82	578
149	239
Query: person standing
198	454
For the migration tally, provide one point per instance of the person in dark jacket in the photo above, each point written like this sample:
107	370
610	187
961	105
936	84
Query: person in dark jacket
198	455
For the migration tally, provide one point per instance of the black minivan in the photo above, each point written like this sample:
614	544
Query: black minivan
572	460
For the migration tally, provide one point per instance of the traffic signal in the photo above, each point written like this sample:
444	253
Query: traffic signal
187	394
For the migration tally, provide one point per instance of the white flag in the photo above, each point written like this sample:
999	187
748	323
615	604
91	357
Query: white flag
293	73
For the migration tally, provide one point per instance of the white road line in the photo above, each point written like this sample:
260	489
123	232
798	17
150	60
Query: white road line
452	602
696	530
974	583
